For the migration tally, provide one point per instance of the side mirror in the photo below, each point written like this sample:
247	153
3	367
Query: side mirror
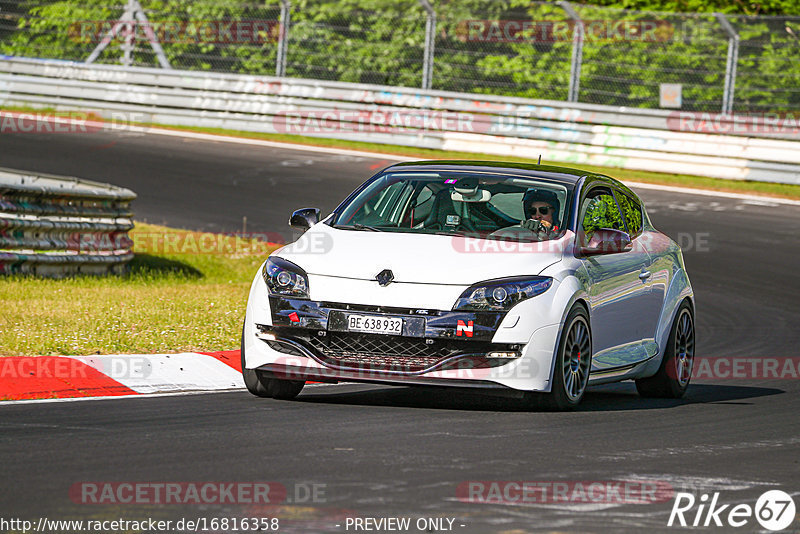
304	218
607	241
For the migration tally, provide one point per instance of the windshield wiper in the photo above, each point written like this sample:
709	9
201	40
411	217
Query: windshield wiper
359	226
365	227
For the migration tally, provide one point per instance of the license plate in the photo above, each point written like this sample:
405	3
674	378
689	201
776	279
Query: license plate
375	325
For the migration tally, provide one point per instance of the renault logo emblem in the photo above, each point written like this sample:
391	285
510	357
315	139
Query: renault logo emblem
385	277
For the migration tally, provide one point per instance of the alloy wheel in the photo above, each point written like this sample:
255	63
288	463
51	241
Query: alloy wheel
684	348
576	358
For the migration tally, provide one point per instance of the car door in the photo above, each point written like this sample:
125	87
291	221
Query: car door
617	295
654	275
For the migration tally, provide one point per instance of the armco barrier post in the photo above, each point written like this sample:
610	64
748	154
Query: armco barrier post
577	51
283	38
730	66
430	39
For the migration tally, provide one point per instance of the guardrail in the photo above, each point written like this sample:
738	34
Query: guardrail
654	140
57	226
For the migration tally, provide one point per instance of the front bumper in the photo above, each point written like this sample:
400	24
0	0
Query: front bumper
308	340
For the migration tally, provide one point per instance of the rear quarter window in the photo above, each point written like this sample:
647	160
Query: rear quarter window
632	211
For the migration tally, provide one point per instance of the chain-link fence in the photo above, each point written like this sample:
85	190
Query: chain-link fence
343	42
768	65
628	68
554	51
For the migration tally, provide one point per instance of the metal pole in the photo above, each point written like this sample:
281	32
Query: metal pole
283	38
104	42
130	28
577	51
109	36
161	56
430	37
730	66
133	13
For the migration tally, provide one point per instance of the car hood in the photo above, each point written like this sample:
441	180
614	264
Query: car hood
418	258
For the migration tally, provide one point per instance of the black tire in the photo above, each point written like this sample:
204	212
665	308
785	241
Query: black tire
283	389
261	386
252	380
675	372
572	364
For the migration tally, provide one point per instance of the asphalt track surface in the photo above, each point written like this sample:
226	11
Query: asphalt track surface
388	452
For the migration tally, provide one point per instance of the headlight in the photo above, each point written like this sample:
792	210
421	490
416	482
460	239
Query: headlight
285	278
501	294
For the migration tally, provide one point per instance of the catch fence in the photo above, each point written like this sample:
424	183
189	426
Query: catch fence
554	51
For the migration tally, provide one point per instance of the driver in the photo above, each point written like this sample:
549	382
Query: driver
541	210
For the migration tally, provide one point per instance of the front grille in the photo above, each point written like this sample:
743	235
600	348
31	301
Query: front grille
386	353
382	353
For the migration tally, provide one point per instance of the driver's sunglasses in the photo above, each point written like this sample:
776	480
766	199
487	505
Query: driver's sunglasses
543	210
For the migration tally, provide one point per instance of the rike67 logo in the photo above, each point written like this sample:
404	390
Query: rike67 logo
774	510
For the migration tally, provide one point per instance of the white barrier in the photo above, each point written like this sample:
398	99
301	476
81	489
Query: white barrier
559	131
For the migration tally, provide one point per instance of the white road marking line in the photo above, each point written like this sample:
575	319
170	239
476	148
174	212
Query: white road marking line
263	142
766	203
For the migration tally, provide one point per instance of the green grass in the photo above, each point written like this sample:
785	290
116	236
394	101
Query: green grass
683	180
174	299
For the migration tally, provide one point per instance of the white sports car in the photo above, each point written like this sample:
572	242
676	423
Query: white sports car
524	280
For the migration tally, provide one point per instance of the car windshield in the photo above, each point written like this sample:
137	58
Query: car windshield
491	206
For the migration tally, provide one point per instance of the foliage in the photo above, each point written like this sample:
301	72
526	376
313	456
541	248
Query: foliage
751	7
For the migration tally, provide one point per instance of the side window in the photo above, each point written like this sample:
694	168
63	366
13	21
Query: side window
600	211
633	214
